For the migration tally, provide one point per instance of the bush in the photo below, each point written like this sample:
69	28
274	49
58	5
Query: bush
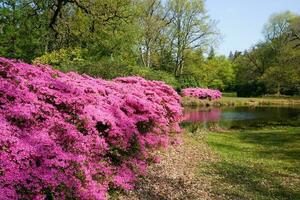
70	136
63	57
202	93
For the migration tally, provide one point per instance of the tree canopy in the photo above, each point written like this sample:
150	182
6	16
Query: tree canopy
272	66
172	40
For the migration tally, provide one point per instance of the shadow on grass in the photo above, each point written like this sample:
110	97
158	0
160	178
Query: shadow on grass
257	164
243	182
282	144
273	138
226	147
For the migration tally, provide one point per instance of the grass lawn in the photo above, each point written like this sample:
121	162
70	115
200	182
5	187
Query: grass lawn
262	164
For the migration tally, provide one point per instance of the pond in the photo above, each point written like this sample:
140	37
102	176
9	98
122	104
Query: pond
241	117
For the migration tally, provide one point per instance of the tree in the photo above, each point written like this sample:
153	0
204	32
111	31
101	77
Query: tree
272	66
219	72
104	37
211	54
191	28
282	34
278	30
295	32
17	19
231	56
278	25
250	67
153	19
105	27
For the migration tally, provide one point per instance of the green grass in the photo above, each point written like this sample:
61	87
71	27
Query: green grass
239	101
260	164
229	94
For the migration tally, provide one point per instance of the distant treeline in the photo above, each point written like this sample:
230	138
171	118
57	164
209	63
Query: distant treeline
170	40
273	65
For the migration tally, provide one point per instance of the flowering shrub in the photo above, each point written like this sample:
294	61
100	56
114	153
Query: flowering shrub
202	93
69	136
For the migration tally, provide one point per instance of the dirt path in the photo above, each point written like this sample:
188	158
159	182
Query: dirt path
177	175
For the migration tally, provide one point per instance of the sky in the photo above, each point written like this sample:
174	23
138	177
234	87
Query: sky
241	21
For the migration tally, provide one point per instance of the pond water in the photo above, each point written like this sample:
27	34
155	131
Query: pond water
242	117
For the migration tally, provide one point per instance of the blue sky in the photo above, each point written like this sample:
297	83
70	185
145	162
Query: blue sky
241	21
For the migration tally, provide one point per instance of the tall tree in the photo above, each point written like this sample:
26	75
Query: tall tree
295	32
102	26
22	28
272	66
153	20
191	29
281	34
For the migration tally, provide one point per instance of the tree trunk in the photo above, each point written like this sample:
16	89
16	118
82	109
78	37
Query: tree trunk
181	66
278	89
142	57
149	57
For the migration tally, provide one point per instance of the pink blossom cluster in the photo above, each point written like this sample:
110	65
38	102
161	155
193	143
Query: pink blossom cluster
71	136
202	93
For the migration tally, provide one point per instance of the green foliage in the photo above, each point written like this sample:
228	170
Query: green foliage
272	66
222	73
106	68
191	29
108	39
155	39
189	81
216	72
29	28
160	75
22	30
63	58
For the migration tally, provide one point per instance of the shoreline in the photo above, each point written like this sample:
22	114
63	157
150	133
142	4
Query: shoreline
239	101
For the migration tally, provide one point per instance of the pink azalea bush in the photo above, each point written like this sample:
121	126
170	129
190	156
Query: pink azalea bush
71	136
202	93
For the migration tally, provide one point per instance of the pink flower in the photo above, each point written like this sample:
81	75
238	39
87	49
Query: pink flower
202	93
71	135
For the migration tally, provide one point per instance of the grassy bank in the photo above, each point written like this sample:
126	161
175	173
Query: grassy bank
238	101
263	164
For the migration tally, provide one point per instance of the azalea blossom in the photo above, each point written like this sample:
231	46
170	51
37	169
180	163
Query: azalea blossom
73	136
202	93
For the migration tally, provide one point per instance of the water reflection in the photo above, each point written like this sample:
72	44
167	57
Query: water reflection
241	117
202	115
